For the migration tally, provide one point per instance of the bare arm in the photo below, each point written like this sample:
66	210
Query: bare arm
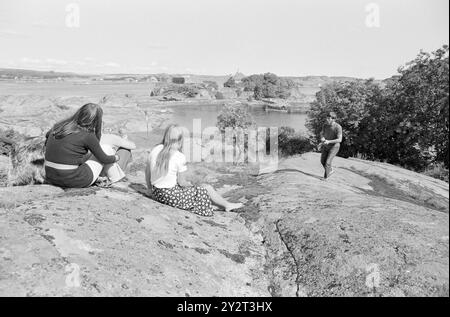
148	176
127	144
339	140
181	175
322	139
117	141
94	146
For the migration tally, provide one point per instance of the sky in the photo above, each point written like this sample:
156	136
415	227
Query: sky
354	38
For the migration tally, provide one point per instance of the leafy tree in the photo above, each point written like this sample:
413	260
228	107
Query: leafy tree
187	90
268	85
406	122
291	143
421	101
258	93
351	102
252	81
234	116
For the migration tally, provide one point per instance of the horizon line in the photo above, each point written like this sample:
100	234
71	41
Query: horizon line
191	74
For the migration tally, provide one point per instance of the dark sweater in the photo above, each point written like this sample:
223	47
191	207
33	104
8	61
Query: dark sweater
74	149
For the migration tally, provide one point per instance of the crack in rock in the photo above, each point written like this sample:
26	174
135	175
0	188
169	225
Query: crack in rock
291	253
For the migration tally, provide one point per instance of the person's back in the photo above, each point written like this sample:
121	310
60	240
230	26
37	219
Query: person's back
165	178
74	157
71	149
177	164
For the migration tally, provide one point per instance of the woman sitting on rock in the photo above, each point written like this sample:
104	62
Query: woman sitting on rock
74	157
165	177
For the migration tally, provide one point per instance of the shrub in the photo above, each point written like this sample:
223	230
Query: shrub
188	90
234	116
351	102
438	171
406	122
420	104
268	85
7	139
292	143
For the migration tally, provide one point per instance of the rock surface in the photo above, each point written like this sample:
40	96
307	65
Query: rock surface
371	230
117	242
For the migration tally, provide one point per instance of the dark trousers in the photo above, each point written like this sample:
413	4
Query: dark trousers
328	154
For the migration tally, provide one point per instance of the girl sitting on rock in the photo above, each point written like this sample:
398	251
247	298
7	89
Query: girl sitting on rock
74	157
165	177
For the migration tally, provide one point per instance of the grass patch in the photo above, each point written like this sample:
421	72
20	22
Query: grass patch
437	171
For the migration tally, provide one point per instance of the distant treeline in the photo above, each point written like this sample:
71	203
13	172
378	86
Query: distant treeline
25	73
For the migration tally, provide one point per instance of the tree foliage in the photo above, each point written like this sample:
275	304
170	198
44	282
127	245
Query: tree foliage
405	122
230	83
268	85
421	101
234	116
291	143
351	101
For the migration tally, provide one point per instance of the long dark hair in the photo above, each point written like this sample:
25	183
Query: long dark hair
87	118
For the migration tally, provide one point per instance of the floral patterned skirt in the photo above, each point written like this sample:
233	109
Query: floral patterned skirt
192	198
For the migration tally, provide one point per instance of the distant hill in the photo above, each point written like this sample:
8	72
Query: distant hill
12	73
306	81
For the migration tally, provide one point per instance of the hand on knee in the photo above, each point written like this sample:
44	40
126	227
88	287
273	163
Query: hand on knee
108	149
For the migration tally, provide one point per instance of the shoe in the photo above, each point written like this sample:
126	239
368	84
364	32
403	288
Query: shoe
123	180
103	182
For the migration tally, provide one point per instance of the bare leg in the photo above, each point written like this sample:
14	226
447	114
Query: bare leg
218	200
112	171
124	158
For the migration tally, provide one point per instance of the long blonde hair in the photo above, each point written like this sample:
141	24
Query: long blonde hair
172	141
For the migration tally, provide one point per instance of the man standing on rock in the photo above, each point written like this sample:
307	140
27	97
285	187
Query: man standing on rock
331	138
